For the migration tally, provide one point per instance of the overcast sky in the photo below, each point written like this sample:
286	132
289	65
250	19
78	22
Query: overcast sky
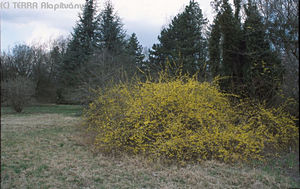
41	22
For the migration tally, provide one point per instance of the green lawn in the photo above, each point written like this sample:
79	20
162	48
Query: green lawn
47	148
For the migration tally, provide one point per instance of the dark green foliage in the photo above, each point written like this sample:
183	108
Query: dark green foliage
251	45
281	21
113	55
134	49
237	5
242	52
110	33
110	59
183	41
41	73
81	45
56	62
263	71
214	48
230	46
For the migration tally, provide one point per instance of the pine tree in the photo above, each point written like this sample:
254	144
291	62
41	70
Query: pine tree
110	33
81	45
135	50
183	41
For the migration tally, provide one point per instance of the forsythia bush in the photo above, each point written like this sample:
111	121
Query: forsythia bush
184	119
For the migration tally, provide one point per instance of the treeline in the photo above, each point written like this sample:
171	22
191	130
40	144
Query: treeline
251	45
98	53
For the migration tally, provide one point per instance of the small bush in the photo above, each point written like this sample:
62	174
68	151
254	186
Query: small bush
184	119
18	92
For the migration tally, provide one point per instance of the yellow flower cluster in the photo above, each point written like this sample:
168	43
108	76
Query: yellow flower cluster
184	119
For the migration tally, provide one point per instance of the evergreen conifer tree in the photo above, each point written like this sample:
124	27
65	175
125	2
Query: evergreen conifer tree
183	41
243	52
214	48
225	46
81	45
135	50
263	73
110	33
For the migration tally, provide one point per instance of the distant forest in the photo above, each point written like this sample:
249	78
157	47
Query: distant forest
251	46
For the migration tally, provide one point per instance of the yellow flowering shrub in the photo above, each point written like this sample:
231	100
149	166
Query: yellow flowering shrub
275	126
180	118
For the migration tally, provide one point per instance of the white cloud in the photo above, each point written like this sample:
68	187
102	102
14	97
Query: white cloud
42	33
145	17
154	12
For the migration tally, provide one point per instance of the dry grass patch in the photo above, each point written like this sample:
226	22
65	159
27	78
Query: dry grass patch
51	151
39	121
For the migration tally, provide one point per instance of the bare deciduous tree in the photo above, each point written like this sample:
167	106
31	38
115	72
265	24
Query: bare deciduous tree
18	92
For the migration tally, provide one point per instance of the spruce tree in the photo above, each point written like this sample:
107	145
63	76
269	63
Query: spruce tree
182	41
135	51
110	33
81	45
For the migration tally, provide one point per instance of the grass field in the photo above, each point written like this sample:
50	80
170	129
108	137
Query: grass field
67	110
45	147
